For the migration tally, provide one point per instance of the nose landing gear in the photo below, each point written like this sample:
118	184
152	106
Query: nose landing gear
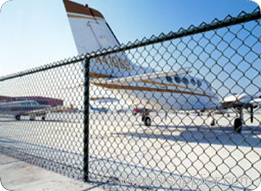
18	117
238	125
239	121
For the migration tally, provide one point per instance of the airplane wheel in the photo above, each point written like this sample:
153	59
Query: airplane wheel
147	121
238	125
43	118
212	122
32	117
18	117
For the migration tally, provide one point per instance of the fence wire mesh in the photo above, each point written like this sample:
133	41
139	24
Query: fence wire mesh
43	128
178	111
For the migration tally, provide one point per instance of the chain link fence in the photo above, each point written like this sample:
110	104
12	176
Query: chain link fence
178	111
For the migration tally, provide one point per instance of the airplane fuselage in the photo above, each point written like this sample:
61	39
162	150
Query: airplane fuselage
21	107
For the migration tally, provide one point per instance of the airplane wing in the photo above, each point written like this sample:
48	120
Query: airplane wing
236	101
142	77
240	100
104	99
256	101
49	109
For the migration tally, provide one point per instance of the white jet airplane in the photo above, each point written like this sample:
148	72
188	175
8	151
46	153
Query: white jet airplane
100	110
29	108
23	108
171	90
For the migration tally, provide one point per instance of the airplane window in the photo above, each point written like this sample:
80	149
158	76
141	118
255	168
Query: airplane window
169	79
185	81
177	79
193	82
199	83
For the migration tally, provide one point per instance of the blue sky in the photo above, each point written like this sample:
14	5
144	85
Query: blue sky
33	33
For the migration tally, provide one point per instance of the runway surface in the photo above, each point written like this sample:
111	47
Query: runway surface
177	151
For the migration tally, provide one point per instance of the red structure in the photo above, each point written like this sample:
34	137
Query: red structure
40	100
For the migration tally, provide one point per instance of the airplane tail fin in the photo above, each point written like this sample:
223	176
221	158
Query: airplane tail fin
90	29
91	32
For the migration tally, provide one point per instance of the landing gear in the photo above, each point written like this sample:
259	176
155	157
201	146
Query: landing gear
32	117
18	117
238	125
213	122
238	121
145	118
147	121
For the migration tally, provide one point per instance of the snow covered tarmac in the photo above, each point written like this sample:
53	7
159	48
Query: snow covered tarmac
177	151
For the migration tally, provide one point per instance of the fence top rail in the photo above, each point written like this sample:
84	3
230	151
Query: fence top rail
192	30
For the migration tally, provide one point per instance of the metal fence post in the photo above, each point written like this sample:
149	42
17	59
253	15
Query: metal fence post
86	121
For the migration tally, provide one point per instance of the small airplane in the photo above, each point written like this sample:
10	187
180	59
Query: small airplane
100	110
29	108
154	90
